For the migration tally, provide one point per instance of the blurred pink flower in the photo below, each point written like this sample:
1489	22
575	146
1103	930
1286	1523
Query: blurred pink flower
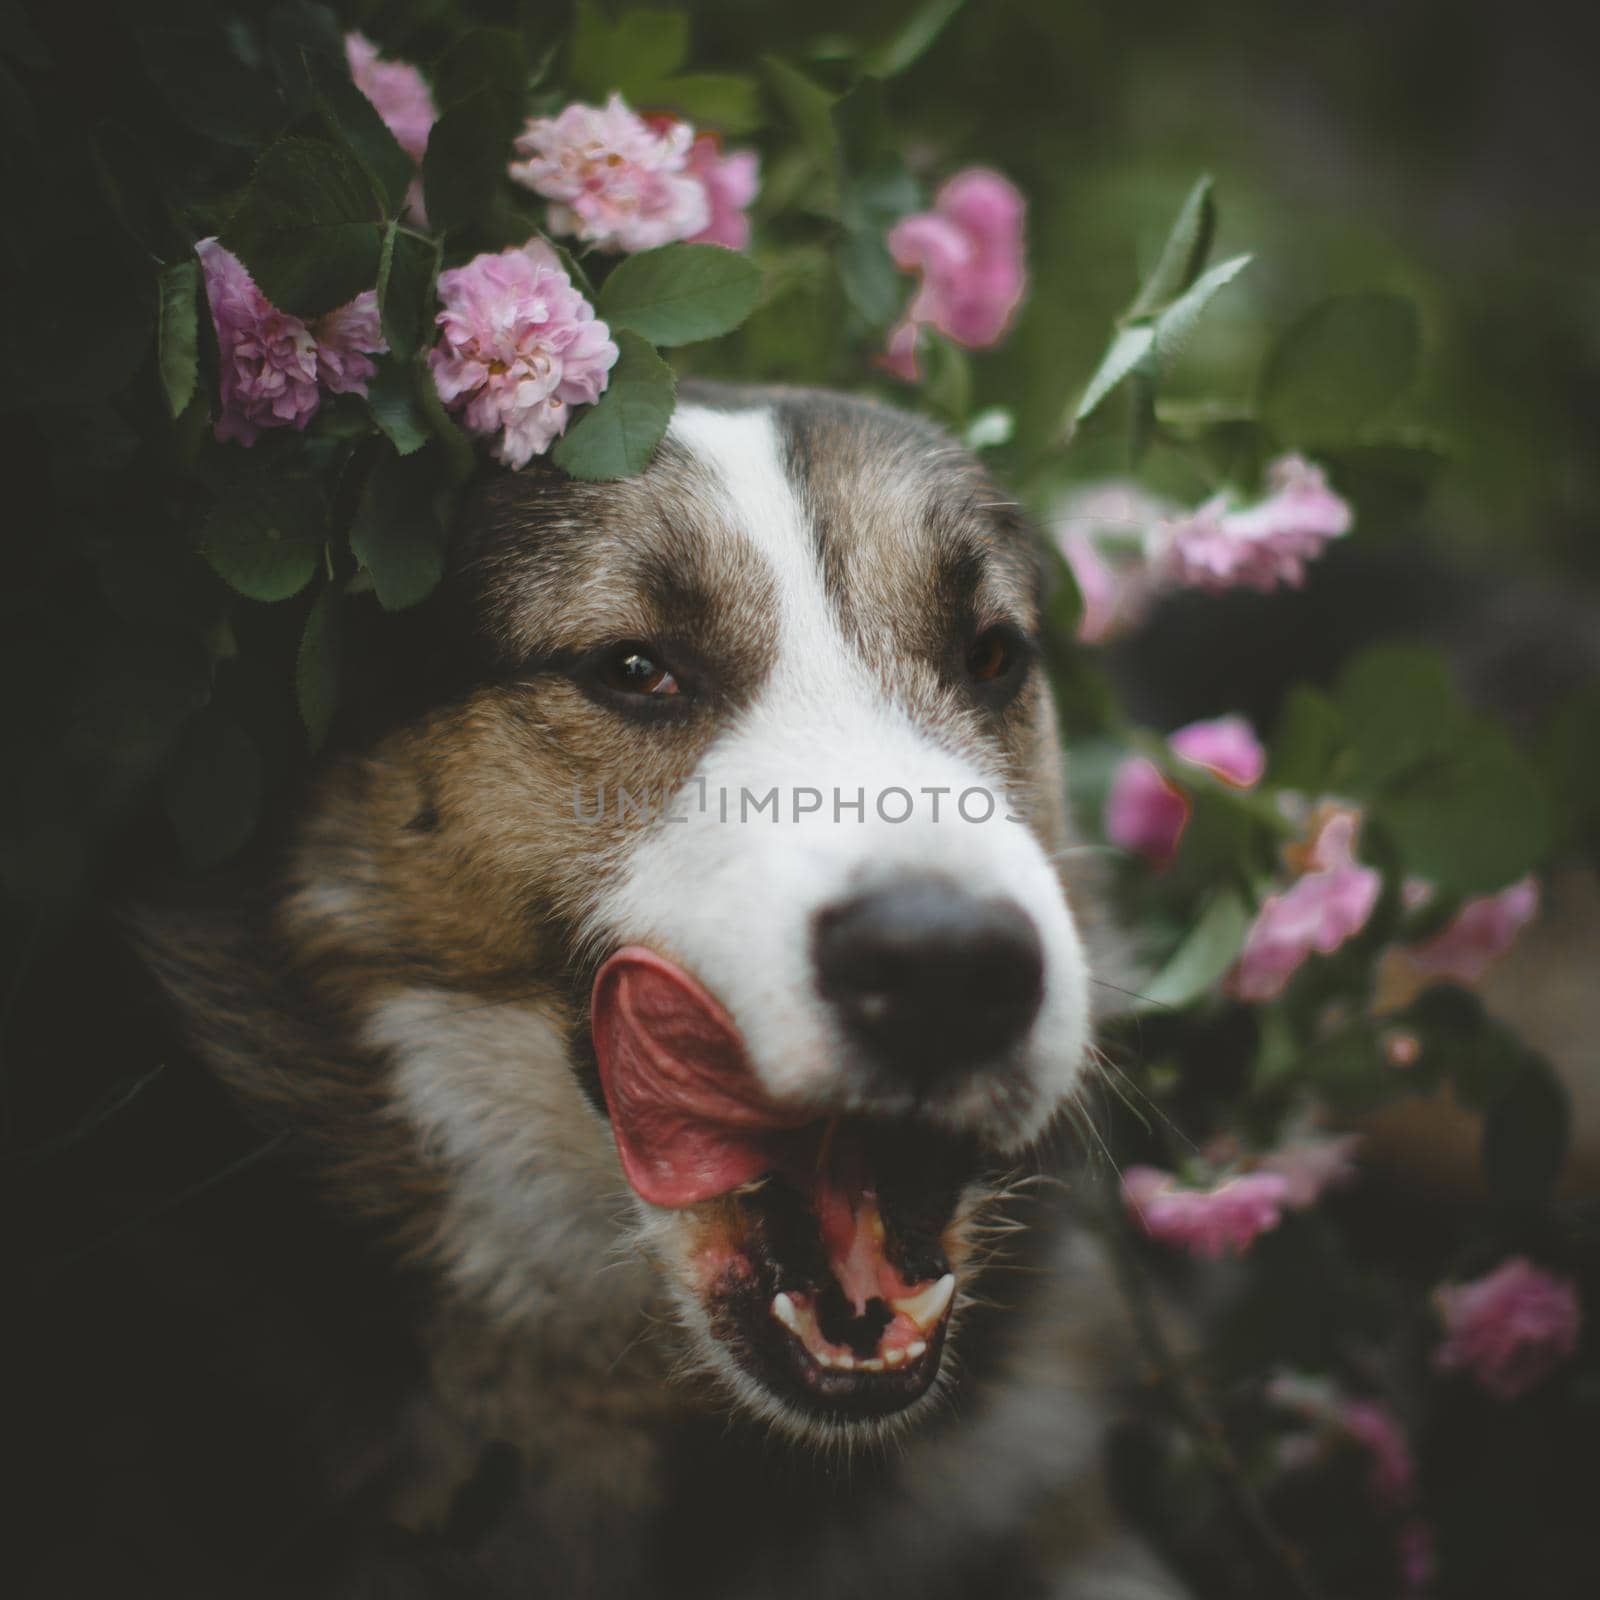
613	179
1205	1222
1227	749
1392	1480
730	182
520	346
1480	932
401	96
1259	547
1319	911
1509	1329
273	368
398	91
1401	1050
1312	1164
1418	1563
969	252
1100	531
346	338
1145	812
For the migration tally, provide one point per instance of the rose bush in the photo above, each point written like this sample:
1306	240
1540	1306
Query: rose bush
311	269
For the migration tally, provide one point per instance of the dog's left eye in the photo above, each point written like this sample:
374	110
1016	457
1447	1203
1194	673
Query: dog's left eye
997	657
633	669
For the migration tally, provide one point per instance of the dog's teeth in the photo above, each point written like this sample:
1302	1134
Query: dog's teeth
894	1357
783	1309
845	1362
926	1308
915	1349
871	1364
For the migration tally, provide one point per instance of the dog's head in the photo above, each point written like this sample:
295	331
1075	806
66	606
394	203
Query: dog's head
744	843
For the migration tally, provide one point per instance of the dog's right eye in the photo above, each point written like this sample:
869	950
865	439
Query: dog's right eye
634	669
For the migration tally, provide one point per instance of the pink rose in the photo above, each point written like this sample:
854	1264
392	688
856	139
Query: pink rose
1510	1329
1100	531
613	179
1312	1164
730	183
969	252
1145	812
400	95
272	367
1392	1480
519	346
1260	546
1318	912
1227	749
1479	933
397	90
1205	1222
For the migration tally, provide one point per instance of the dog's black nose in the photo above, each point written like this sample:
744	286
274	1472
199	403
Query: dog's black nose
929	979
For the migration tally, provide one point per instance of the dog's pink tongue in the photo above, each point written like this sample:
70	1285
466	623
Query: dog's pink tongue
689	1119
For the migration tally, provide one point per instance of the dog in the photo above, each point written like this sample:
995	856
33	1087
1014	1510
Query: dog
683	993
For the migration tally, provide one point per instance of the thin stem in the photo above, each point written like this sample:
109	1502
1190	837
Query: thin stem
1193	1411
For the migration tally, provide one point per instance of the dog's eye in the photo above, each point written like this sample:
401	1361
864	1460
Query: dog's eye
995	655
632	669
990	657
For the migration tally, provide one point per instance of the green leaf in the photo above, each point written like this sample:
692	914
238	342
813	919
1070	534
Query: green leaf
265	538
910	39
809	107
307	227
729	101
1525	1138
1473	820
1063	606
1210	947
1348	1071
1400	711
396	535
1129	347
1340	367
637	50
465	160
618	436
457	446
206	82
1307	742
1183	254
392	400
406	273
316	667
947	377
1569	757
212	791
871	199
177	333
681	293
484	58
1175	326
353	118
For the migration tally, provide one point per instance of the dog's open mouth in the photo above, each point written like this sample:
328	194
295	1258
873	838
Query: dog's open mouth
821	1254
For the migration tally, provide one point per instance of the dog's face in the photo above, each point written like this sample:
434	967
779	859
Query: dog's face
747	838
